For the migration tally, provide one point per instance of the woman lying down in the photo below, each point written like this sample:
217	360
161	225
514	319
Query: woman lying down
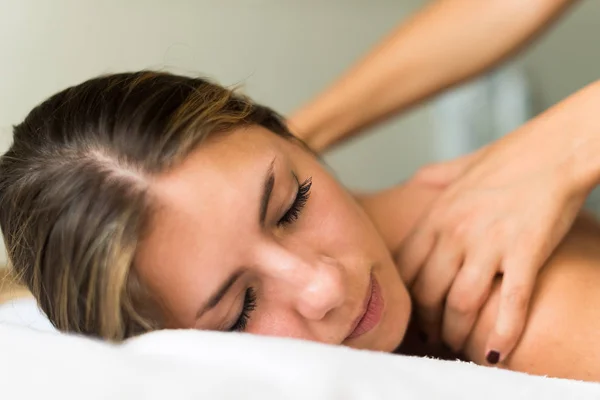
142	201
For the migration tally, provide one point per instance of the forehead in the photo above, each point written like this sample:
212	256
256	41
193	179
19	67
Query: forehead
206	209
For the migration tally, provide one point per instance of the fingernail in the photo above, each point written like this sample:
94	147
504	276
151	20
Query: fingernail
423	336
493	357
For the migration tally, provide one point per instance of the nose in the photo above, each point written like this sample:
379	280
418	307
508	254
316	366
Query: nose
312	284
322	291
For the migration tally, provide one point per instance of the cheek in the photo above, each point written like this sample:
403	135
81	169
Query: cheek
280	324
338	221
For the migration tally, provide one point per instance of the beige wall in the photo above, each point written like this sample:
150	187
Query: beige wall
283	51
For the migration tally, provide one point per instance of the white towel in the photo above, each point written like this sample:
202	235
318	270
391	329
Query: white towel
185	364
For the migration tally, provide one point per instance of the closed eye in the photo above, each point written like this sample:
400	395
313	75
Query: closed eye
247	308
302	195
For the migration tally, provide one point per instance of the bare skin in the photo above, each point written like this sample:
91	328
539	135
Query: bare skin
310	276
404	69
563	325
305	277
498	200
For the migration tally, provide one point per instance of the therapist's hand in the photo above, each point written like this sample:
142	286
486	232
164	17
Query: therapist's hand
503	211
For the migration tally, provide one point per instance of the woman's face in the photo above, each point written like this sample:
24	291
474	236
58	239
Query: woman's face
252	234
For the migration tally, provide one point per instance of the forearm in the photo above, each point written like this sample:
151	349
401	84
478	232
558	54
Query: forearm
446	43
584	126
567	137
589	150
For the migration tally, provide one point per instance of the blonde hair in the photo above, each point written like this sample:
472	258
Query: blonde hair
73	189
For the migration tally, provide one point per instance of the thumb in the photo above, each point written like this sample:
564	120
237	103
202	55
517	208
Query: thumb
444	173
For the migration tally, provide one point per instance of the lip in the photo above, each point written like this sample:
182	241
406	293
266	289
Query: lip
371	312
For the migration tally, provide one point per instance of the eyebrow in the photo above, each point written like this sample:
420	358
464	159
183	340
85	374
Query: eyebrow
268	184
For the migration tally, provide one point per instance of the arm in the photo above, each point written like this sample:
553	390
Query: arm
506	214
446	43
567	137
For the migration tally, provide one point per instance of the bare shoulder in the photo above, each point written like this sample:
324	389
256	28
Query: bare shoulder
562	335
395	211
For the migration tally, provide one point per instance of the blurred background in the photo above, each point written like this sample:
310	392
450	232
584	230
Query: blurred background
283	52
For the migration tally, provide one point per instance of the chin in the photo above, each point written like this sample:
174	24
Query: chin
385	340
394	323
396	315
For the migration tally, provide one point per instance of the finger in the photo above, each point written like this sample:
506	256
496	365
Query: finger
468	294
439	175
432	284
414	251
515	294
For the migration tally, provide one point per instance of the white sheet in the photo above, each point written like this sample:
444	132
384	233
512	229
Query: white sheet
40	364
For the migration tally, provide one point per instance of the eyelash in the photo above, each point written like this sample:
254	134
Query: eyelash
248	307
301	198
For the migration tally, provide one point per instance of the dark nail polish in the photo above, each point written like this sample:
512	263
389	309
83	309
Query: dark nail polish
423	336
493	357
